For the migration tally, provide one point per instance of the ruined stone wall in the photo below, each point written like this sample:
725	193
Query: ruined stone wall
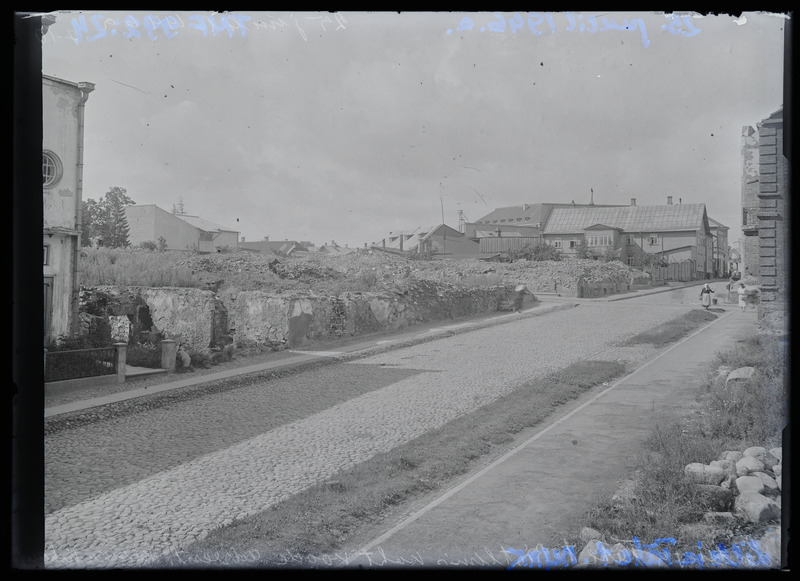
260	318
200	320
188	315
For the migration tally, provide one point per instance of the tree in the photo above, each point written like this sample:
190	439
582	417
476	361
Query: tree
106	219
582	249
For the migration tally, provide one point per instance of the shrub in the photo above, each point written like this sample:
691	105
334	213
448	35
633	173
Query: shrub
144	355
148	245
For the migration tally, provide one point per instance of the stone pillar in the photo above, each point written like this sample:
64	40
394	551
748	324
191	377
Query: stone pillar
169	350
122	351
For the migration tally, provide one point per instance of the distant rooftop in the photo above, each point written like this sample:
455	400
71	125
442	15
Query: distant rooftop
628	218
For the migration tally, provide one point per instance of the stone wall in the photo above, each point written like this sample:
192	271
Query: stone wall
260	318
200	320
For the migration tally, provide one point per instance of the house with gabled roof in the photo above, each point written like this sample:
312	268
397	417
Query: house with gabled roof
513	227
183	232
674	232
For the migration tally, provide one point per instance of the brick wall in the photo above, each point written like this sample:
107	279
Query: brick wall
773	221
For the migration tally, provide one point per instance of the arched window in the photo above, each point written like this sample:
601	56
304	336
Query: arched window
51	169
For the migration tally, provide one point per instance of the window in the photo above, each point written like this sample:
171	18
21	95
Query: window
51	169
573	243
46	254
653	239
631	240
599	240
557	243
630	260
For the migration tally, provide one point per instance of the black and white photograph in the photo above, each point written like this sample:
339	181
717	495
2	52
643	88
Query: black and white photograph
412	290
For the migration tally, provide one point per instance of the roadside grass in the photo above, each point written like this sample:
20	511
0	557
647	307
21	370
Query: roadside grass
662	504
673	330
111	266
323	517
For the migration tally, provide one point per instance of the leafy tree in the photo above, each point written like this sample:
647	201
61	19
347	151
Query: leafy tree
162	244
582	249
106	219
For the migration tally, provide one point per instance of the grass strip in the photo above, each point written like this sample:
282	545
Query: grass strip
321	518
673	330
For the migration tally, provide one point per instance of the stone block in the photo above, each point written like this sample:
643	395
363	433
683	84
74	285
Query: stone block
699	473
749	484
757	507
749	464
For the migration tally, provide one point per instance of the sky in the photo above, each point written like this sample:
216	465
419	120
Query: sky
346	126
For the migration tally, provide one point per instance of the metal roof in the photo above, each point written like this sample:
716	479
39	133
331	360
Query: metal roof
202	224
666	218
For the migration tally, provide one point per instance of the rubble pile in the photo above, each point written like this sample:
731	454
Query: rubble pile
378	271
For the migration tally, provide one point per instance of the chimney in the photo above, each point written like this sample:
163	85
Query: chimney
633	201
266	238
669	200
383	242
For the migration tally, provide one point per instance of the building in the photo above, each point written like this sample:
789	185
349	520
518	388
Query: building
182	232
266	246
719	236
765	187
675	232
434	239
514	227
63	104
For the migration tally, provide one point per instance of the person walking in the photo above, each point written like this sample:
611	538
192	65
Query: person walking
705	295
742	292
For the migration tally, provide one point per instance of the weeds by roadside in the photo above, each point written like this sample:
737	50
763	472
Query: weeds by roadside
731	417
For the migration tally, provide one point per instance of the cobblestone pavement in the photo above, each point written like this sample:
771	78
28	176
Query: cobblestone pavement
126	490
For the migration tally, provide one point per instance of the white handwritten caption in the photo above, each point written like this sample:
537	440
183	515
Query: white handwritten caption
94	27
539	22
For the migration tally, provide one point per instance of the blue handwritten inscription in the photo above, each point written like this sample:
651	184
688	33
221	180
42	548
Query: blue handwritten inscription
154	26
540	22
744	553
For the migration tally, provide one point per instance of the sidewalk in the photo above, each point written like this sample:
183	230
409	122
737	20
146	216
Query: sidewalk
346	349
537	493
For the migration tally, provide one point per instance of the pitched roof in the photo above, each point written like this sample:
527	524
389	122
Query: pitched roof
715	224
526	213
281	246
202	224
666	218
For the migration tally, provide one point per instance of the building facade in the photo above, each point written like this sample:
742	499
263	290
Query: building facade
676	233
764	204
63	106
182	232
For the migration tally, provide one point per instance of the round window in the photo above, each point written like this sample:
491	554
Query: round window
51	169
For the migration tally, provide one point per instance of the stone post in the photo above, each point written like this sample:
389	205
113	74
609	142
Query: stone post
169	350
122	351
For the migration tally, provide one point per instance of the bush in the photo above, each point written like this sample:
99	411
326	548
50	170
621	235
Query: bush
144	355
148	245
538	252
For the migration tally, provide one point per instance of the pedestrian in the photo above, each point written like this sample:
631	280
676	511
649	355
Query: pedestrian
705	295
742	296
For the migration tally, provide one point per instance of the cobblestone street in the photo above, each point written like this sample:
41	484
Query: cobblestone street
126	490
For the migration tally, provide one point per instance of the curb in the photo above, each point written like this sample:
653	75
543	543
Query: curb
162	391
